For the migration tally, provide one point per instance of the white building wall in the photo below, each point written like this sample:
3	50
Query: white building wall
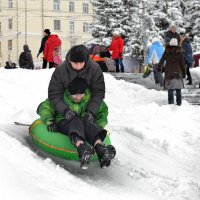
31	17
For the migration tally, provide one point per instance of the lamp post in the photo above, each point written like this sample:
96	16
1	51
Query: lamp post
25	21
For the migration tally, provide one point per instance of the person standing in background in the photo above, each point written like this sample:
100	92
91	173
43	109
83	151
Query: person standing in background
156	51
188	56
46	34
172	33
117	47
53	42
174	70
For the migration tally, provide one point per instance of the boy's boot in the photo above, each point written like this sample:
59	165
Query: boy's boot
85	153
105	154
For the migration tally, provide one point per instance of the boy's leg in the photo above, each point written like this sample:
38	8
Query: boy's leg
76	132
95	136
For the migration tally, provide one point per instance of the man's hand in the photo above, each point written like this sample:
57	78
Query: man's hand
70	115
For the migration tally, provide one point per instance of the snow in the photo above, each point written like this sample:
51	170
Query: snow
158	146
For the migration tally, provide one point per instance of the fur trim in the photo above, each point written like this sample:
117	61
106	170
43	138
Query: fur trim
171	49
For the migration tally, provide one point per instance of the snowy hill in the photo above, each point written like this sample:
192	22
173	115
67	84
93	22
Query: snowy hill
158	146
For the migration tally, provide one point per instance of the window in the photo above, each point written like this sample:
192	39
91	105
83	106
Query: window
57	25
10	3
86	27
71	6
85	8
56	4
10	24
9	45
73	42
71	28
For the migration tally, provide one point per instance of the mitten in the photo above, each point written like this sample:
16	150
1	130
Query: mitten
89	117
52	127
70	115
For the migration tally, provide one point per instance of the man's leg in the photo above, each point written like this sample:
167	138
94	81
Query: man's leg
44	64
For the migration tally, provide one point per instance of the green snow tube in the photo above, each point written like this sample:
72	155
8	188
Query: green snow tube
55	143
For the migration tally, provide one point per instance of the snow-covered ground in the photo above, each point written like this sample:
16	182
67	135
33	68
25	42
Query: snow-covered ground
158	146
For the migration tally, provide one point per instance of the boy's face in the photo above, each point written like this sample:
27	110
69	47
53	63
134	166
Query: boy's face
77	97
77	65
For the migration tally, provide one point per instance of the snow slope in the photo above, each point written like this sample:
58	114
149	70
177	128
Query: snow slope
158	146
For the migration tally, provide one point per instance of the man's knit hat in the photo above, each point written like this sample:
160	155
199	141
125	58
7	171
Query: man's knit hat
78	53
77	86
47	31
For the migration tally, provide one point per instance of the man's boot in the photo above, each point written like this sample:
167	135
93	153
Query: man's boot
105	154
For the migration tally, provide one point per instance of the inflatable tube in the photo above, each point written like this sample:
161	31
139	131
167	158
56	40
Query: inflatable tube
55	143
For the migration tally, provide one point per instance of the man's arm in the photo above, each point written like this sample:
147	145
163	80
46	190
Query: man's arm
98	91
56	92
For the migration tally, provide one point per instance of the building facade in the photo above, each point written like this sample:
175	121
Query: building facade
23	21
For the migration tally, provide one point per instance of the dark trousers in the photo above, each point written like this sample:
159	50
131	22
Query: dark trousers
87	131
158	75
44	64
118	62
188	66
171	96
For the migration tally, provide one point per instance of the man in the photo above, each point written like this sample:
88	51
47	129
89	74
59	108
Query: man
46	34
77	64
79	130
156	51
172	33
117	47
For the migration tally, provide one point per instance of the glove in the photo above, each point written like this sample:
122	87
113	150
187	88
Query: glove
38	54
120	54
89	117
52	127
70	115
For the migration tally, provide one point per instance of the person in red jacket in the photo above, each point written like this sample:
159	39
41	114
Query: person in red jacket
117	46
53	42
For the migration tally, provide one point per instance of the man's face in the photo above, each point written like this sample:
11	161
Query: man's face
77	65
173	29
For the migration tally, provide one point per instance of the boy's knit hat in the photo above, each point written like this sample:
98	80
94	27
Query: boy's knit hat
77	86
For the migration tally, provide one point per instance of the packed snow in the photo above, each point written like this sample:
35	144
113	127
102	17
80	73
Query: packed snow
158	146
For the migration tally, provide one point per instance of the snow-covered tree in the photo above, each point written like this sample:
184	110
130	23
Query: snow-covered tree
107	17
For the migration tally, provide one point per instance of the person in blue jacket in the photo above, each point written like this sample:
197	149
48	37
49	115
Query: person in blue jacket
156	51
188	55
